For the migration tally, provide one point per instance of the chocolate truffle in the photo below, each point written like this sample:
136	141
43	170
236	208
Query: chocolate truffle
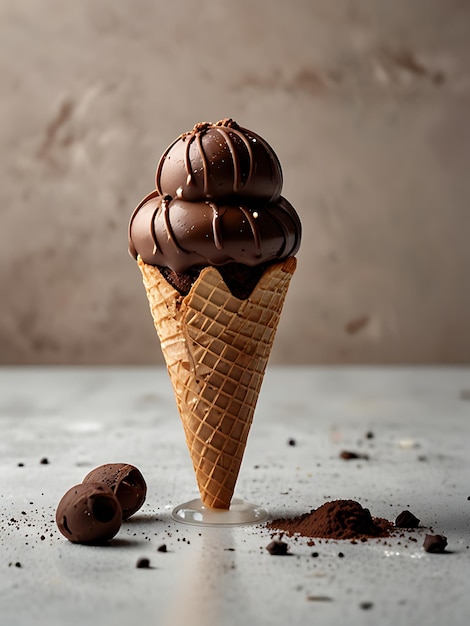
89	513
217	161
125	481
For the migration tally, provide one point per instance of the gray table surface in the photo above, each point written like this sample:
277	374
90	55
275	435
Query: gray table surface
79	418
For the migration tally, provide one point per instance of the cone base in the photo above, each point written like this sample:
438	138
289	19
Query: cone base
240	513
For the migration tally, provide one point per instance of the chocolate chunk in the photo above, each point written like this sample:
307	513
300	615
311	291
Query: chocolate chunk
89	513
277	548
162	548
406	519
435	543
125	481
291	442
143	563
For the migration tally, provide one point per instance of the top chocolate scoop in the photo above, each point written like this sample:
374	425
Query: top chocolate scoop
217	162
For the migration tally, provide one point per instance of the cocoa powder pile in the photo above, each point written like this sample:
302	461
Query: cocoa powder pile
339	519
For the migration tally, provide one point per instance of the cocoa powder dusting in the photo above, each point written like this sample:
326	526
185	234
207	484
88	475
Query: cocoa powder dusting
339	519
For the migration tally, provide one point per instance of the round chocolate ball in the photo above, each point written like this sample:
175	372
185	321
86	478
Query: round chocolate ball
125	481
89	513
219	161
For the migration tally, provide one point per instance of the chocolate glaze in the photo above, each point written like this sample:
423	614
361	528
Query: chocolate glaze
126	482
89	513
178	234
218	161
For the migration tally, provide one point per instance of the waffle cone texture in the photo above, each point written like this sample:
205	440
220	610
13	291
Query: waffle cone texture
216	349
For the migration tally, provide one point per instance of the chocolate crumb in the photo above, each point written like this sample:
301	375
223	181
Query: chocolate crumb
277	548
315	555
143	563
366	605
292	442
357	324
406	519
44	461
341	555
369	434
348	455
435	543
162	548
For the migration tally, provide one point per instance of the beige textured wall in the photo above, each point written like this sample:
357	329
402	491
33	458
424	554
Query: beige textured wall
366	103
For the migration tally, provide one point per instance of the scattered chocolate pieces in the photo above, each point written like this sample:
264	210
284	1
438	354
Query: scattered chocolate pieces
406	519
348	455
277	548
435	543
143	563
125	481
89	513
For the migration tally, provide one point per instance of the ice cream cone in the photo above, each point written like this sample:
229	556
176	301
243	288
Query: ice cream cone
216	349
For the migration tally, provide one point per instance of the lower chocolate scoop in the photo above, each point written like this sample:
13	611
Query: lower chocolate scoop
170	232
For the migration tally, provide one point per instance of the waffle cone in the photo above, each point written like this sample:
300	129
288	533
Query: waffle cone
216	349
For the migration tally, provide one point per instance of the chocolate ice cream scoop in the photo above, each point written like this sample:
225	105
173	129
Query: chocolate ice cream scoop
89	513
177	234
217	203
218	161
126	482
